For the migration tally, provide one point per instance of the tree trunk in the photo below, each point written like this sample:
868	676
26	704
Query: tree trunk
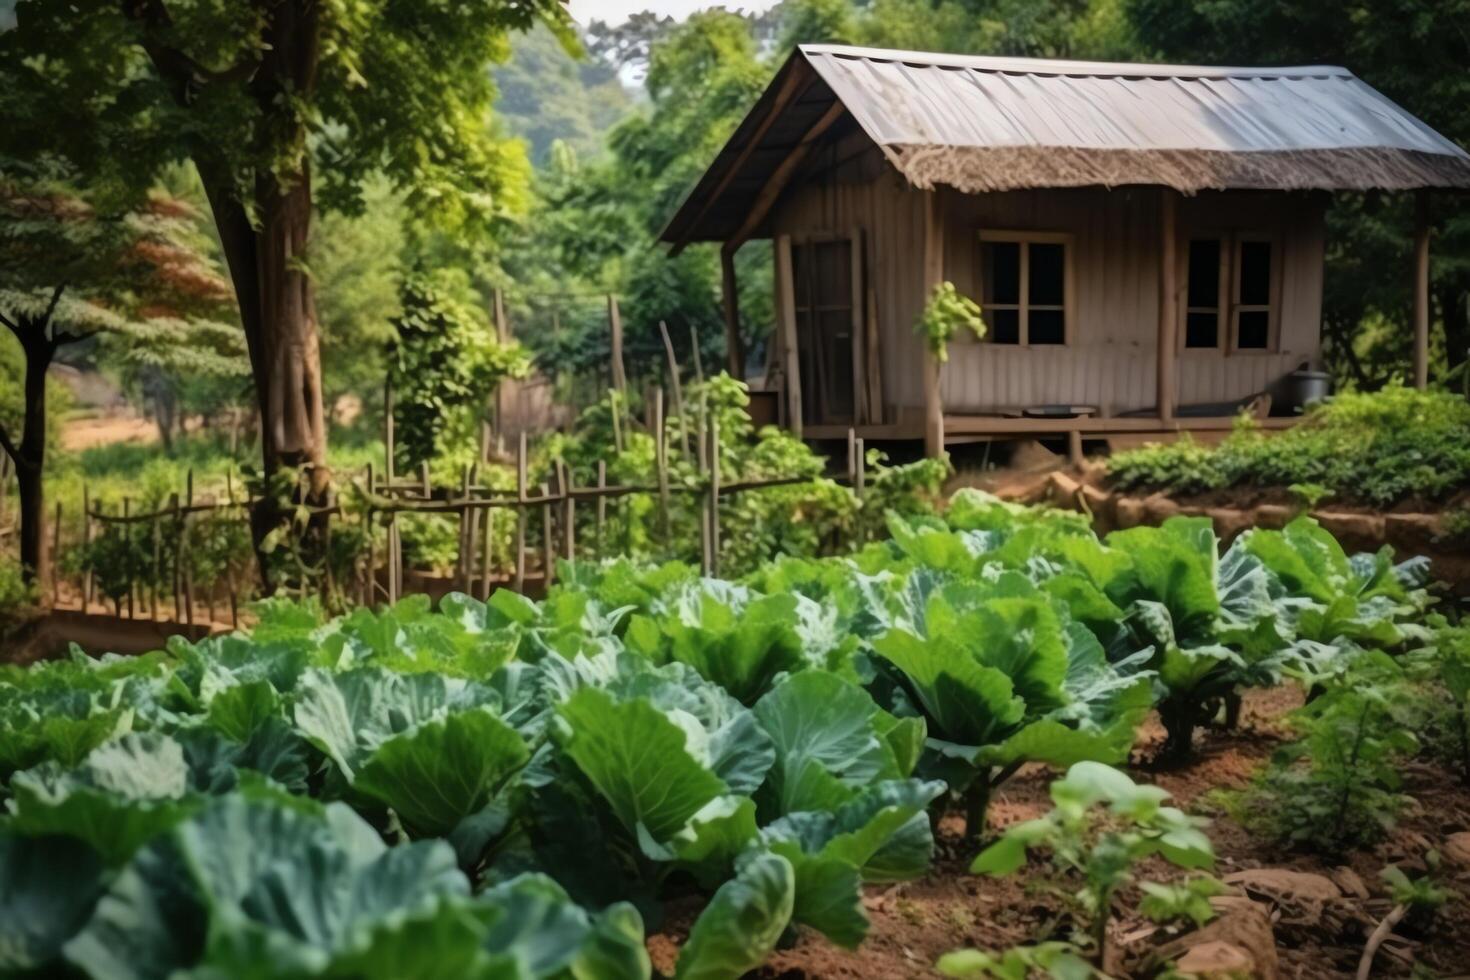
266	257
30	458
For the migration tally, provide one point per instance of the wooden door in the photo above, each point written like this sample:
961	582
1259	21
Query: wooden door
822	271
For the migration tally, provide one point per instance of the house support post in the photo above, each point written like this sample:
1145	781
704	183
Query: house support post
786	319
933	276
1421	289
734	349
1168	305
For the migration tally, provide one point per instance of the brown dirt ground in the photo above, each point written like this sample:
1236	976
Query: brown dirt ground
916	922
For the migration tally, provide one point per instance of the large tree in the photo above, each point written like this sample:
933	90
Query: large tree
281	105
71	269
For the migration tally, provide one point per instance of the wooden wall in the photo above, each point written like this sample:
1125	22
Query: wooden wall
1110	359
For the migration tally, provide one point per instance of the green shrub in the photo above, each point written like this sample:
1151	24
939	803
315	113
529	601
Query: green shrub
1377	448
17	599
1102	824
1338	786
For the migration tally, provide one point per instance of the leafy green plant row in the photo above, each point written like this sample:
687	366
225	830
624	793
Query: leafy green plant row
1379	449
642	735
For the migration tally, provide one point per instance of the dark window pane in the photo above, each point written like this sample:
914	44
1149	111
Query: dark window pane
1255	273
1004	326
800	254
1001	272
1047	281
1047	327
833	283
1204	276
1255	330
1201	330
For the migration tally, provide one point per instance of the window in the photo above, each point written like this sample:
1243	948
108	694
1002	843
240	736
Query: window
1025	286
1253	295
1203	306
1230	292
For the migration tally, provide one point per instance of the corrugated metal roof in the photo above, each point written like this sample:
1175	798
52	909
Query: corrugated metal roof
904	98
993	124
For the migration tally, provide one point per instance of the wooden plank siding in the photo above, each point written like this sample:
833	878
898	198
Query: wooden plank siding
1110	358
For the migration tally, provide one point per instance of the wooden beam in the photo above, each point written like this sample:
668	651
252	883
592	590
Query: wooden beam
786	319
1421	289
933	276
799	80
1168	305
860	411
734	348
782	175
996	425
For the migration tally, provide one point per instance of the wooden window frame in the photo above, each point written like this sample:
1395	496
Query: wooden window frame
1023	304
1227	331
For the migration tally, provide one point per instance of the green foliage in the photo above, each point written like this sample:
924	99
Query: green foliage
1100	847
446	362
1441	670
1189	899
772	745
1338	786
1057	960
946	313
18	598
1394	445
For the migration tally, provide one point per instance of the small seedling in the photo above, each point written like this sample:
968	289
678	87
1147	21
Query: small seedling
1101	826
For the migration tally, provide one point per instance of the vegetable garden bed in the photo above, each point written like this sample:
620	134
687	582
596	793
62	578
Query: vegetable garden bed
652	770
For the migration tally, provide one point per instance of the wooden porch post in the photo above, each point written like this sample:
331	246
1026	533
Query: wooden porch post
1421	289
786	320
1168	306
933	276
734	349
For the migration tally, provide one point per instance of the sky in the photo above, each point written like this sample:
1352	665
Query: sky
617	11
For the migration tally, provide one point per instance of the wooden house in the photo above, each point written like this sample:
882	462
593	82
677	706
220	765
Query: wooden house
1146	241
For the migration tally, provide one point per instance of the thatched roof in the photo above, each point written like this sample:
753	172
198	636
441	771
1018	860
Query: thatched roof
994	124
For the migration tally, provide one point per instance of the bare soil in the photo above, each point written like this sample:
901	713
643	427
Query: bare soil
106	430
915	923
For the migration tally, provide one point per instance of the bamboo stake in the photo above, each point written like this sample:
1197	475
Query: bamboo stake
601	505
678	389
859	484
368	593
128	545
472	545
88	580
185	561
388	448
698	358
428	489
569	513
661	462
617	413
489	553
157	570
175	518
548	545
615	325
714	494
461	555
520	545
